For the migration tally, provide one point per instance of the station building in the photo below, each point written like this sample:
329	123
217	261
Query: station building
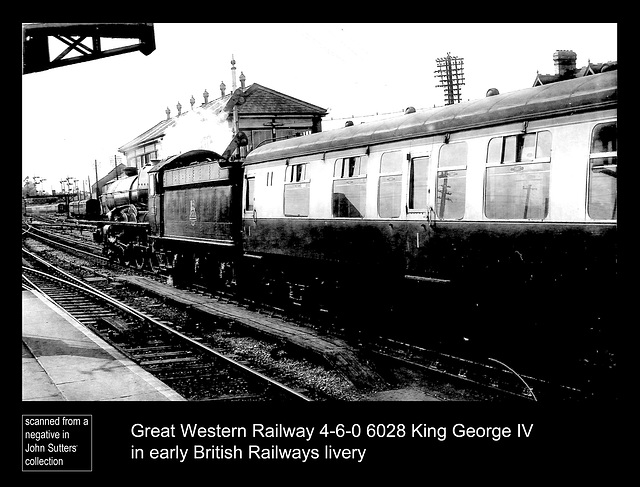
566	68
262	113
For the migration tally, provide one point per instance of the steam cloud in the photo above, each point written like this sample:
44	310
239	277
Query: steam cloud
198	129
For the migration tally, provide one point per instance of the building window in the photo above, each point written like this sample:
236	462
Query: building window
390	185
349	187
258	137
418	183
517	176
451	181
296	191
264	136
603	172
250	194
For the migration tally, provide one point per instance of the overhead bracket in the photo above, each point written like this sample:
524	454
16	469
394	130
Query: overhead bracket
83	41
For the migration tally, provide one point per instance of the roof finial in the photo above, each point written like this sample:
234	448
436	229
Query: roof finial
233	74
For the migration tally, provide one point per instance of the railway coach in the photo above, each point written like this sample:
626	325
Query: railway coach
507	202
493	220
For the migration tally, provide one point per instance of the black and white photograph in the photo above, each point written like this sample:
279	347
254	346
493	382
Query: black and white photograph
259	247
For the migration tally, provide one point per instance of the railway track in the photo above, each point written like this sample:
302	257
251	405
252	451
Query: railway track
491	374
64	241
194	369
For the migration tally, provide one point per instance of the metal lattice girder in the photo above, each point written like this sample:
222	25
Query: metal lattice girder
35	42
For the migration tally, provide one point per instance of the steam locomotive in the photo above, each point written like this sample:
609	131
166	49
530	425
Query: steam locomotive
496	217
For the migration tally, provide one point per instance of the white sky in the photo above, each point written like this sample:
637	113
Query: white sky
77	114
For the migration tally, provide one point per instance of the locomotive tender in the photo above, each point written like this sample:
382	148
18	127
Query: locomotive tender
508	202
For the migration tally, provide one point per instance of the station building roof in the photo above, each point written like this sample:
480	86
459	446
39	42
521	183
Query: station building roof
259	100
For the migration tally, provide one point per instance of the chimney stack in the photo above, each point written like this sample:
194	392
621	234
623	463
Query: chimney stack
223	88
206	97
242	79
565	62
168	112
179	107
192	101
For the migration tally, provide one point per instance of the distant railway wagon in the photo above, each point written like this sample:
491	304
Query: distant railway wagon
43	210
87	209
506	205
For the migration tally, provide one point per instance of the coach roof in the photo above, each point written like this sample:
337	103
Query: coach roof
562	98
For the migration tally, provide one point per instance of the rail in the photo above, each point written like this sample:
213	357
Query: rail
72	281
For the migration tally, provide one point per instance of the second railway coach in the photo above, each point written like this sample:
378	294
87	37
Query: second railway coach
510	195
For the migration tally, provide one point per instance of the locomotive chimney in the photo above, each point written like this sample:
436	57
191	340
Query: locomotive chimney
223	88
206	97
565	62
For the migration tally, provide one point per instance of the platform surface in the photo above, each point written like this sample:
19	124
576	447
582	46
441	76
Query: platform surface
62	360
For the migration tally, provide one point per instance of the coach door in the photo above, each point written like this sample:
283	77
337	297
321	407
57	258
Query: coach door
419	194
420	213
249	210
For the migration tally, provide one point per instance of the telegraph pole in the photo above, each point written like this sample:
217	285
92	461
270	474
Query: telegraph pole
450	73
97	185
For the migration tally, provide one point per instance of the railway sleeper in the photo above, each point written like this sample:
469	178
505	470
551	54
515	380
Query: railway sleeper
134	350
114	323
169	360
158	355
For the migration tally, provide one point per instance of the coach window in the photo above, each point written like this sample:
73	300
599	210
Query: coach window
296	191
349	187
390	185
451	182
418	184
603	173
517	176
250	194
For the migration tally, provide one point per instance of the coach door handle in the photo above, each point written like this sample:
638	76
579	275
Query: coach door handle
431	217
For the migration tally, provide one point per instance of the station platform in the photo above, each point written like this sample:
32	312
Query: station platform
62	360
